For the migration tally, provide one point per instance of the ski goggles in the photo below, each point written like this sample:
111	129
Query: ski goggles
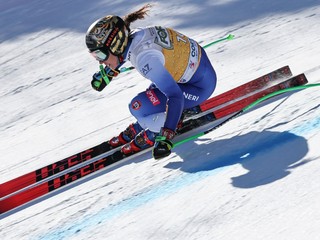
99	55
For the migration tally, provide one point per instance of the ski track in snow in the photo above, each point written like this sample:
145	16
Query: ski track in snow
255	178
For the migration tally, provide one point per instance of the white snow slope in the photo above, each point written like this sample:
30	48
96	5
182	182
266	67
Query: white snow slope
255	178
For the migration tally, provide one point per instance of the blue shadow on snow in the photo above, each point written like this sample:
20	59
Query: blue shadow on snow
268	156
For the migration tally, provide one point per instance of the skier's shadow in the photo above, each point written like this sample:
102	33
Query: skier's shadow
268	156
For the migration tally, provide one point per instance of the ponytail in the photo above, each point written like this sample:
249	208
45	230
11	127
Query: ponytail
139	14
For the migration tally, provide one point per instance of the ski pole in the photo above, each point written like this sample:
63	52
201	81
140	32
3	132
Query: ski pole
237	114
229	37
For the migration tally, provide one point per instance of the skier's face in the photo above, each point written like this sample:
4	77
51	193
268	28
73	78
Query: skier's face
111	61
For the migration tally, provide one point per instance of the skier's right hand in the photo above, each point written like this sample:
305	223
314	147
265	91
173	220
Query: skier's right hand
163	145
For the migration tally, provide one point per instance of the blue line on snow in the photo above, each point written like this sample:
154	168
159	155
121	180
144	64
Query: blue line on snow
129	204
307	127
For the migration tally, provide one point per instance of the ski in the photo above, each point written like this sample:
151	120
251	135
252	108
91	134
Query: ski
247	88
240	104
56	167
106	160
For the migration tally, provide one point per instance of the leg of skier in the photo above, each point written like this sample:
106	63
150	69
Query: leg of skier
149	107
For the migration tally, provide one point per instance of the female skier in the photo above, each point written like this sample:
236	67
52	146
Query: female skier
180	72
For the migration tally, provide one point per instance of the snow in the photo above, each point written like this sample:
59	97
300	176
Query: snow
255	178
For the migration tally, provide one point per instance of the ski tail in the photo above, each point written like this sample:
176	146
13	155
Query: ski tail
247	88
238	105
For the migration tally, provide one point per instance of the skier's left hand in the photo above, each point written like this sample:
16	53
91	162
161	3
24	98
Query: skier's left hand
162	147
99	82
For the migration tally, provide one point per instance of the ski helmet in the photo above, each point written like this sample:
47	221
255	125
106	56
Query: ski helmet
108	33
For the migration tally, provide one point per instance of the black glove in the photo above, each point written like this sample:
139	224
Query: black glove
97	82
102	78
162	147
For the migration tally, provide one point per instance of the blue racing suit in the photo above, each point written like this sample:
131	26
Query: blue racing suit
180	71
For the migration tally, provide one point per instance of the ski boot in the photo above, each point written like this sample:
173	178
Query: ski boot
191	111
184	124
123	138
143	140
